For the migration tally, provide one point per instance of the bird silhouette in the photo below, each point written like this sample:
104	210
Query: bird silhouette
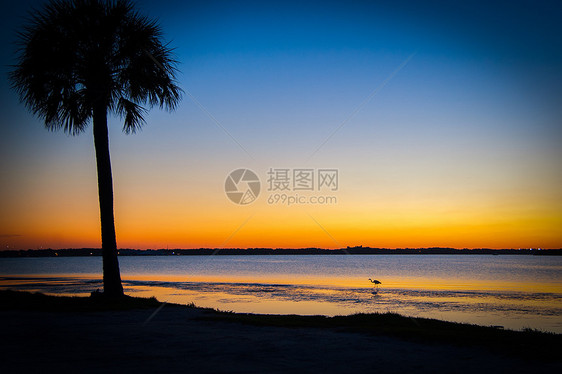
374	281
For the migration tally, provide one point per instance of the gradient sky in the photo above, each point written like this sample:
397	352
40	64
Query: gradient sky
460	146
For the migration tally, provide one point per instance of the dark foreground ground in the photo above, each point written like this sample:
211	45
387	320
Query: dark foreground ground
52	334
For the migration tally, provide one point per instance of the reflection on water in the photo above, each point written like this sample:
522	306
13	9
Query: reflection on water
452	272
511	291
511	309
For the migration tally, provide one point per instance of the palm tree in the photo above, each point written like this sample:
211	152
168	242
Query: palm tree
82	60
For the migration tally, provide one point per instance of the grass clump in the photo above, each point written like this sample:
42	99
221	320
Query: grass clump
527	343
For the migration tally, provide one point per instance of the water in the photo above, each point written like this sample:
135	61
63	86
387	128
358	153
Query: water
511	291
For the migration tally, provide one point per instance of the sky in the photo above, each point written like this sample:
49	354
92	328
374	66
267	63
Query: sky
442	120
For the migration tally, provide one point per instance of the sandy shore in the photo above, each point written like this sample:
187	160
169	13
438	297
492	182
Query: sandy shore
177	340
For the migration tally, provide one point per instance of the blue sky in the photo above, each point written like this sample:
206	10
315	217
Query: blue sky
475	114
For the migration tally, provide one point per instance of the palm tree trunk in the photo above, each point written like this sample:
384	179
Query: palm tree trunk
112	286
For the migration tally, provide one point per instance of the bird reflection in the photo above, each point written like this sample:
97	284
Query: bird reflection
376	283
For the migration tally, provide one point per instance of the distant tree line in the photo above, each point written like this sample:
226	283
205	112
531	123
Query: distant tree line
70	252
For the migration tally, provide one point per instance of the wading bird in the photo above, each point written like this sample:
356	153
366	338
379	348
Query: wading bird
376	283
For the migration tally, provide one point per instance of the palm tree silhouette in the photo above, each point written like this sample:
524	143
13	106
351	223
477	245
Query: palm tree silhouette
82	60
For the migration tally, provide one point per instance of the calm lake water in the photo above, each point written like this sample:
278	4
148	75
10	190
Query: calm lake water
511	291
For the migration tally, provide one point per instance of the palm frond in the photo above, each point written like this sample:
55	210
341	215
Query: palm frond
132	113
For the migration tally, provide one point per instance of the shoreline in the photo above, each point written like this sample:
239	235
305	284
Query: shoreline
360	250
511	307
160	332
